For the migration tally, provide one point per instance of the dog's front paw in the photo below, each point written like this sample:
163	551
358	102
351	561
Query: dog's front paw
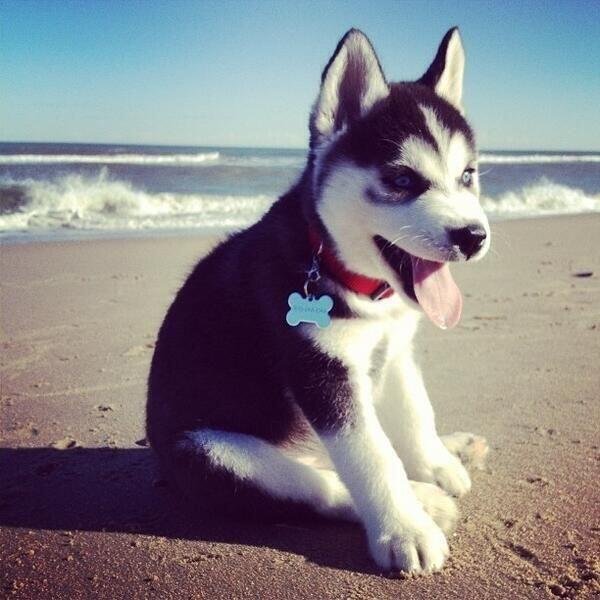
444	470
437	504
410	548
452	477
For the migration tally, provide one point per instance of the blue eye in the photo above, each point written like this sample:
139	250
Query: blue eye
467	177
404	181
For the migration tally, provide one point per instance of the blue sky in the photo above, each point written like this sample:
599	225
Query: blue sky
246	73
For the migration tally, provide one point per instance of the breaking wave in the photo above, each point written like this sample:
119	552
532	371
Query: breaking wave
491	158
101	203
541	198
117	159
84	203
154	160
224	159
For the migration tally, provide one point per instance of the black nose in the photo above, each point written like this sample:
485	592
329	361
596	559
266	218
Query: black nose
469	239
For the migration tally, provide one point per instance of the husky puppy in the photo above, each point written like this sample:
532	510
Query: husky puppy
283	377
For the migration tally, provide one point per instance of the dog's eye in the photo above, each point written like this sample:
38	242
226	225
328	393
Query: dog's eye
403	182
467	177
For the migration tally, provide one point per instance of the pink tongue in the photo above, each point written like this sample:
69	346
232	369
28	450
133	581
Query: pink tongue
437	292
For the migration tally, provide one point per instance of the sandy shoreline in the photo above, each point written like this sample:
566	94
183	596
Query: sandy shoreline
83	515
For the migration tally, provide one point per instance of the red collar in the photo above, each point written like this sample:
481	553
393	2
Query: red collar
376	289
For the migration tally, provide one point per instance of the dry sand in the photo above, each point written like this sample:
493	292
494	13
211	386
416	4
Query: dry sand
82	513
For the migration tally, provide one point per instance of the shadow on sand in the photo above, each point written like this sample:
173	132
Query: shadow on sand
117	490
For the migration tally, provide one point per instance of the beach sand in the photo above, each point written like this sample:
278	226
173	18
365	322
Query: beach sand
83	513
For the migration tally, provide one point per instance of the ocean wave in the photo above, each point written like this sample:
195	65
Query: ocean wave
103	203
490	158
202	159
119	159
544	197
263	161
224	159
85	203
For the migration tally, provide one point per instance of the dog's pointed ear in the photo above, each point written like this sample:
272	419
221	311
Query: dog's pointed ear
445	74
351	84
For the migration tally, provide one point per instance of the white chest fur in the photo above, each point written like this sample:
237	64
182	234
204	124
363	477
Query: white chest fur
354	341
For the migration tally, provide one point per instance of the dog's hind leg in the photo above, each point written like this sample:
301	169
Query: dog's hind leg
243	475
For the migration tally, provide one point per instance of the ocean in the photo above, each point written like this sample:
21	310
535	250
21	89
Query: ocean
58	191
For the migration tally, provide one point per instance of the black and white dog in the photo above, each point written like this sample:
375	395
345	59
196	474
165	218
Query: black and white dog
283	377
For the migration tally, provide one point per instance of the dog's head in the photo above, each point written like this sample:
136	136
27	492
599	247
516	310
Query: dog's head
394	173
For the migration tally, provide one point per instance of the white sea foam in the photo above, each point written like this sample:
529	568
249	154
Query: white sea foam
263	161
85	203
201	159
122	159
541	198
490	158
229	159
105	204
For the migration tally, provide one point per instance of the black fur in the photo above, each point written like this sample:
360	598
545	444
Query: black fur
204	375
225	356
205	487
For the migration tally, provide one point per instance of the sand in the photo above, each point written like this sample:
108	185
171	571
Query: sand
83	513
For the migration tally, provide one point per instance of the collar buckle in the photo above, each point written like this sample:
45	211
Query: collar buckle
381	292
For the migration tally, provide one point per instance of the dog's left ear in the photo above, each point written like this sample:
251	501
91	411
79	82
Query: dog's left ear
351	84
445	74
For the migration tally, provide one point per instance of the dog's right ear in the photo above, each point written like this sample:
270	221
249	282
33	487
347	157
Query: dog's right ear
351	84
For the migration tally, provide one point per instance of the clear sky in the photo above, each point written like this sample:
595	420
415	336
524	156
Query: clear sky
245	73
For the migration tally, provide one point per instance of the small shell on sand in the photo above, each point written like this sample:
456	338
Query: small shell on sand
65	443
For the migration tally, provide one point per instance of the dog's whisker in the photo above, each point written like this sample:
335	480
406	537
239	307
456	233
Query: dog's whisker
399	238
396	240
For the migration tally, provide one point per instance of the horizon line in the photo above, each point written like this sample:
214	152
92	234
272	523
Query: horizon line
260	147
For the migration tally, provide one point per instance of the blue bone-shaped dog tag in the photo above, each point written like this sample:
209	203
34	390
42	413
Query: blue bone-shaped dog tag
309	310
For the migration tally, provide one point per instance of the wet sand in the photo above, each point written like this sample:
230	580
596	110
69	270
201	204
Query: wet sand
83	513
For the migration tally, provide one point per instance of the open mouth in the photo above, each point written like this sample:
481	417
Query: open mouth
400	262
427	282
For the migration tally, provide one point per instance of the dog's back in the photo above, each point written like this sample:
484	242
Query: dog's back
220	353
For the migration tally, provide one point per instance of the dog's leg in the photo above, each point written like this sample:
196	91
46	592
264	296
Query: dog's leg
401	535
408	419
254	462
249	461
